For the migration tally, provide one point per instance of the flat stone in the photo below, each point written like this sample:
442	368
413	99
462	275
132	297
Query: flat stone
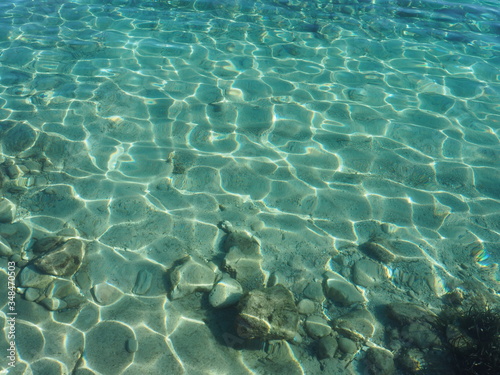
357	325
67	291
317	327
306	307
379	362
53	304
245	268
377	252
225	293
314	291
83	279
368	273
191	276
142	282
106	294
64	260
5	249
243	260
327	347
31	277
7	211
341	291
347	346
75	300
32	294
267	314
13	171
405	313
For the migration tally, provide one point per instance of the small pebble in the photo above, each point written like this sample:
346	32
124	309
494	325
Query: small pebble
143	282
32	294
257	225
53	304
377	252
106	294
132	345
347	345
327	347
314	291
306	307
317	327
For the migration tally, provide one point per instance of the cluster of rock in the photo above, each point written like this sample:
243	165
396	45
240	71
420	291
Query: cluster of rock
46	279
16	175
412	335
7	216
241	271
270	313
262	312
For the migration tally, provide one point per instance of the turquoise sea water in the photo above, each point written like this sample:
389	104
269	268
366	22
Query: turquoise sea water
142	129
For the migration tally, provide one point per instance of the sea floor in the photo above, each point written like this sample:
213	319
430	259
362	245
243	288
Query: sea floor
351	148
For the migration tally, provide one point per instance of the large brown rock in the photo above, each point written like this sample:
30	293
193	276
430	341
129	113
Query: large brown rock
64	260
267	314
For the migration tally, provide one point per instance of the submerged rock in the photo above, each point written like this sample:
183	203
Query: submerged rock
405	313
243	260
143	282
317	327
267	314
379	362
306	307
368	273
65	291
32	294
347	346
7	211
225	293
327	347
192	275
357	325
413	325
341	291
31	277
106	294
53	304
64	260
5	249
377	252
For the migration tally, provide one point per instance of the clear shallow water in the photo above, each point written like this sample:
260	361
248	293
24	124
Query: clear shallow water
138	127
